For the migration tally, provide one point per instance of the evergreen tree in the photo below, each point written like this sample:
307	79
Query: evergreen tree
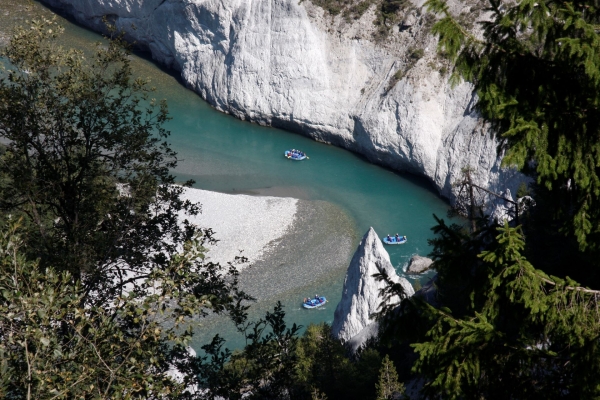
388	386
523	333
536	72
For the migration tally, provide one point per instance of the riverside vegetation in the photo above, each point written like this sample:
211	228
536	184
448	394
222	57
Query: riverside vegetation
100	283
96	301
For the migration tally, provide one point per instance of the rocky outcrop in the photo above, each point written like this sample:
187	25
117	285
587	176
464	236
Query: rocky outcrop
353	322
289	64
429	292
418	264
504	208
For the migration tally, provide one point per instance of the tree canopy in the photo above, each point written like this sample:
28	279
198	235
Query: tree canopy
502	328
536	71
102	278
86	163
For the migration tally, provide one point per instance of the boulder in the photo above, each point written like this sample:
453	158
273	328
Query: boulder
429	292
354	322
418	265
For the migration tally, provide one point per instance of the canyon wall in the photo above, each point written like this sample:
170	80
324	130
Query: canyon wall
290	64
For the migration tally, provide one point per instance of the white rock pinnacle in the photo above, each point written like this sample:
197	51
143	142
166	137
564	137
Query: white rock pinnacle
353	322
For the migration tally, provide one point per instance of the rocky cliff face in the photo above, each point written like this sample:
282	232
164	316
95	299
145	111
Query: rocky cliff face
353	322
289	64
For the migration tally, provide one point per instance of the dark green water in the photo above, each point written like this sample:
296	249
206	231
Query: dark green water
224	154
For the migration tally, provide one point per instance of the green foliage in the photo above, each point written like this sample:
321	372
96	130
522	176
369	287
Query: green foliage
357	10
519	325
389	8
323	364
537	75
106	308
416	54
523	190
387	14
276	364
87	168
334	7
54	347
388	386
263	370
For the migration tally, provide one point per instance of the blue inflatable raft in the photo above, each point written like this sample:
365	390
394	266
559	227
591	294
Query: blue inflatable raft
393	240
295	155
314	303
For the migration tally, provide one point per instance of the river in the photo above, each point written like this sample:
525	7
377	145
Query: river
227	155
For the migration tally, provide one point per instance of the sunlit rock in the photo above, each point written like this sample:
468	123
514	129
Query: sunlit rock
354	323
418	264
289	64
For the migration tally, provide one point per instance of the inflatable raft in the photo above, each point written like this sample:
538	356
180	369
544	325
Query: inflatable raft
392	240
295	155
314	303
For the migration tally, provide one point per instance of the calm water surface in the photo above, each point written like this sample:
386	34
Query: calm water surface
224	154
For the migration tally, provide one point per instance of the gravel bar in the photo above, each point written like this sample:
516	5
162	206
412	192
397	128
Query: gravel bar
243	225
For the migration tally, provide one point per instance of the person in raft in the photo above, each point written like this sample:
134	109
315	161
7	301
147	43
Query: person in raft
397	238
305	300
317	298
389	238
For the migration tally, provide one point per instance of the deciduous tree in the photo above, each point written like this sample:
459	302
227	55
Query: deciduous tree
87	163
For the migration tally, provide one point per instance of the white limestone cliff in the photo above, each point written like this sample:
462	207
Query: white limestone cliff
353	321
289	64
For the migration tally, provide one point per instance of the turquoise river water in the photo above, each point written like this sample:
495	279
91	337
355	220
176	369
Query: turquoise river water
224	154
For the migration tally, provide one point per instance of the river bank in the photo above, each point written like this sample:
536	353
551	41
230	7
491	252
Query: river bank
247	226
292	65
343	193
289	243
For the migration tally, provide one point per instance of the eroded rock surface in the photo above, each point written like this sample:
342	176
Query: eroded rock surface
290	64
353	321
418	264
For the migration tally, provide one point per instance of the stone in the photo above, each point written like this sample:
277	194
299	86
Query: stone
504	210
428	292
291	65
418	265
354	321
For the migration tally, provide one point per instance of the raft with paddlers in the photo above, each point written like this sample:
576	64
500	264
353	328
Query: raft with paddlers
394	239
318	301
295	155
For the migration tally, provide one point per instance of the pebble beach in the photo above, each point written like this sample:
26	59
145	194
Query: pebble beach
244	225
288	242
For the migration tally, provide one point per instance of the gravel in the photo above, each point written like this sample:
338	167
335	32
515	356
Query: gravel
289	243
244	225
318	244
